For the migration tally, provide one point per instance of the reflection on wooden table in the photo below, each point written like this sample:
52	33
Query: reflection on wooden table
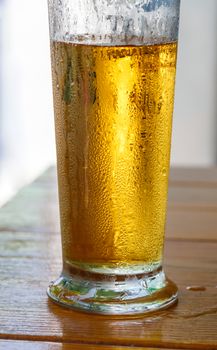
30	254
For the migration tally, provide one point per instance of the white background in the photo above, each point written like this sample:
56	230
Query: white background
195	123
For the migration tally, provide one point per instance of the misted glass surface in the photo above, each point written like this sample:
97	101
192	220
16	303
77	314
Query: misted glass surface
113	98
114	108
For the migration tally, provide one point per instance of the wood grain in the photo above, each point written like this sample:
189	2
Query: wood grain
192	225
196	198
192	212
29	260
30	256
179	175
28	345
193	177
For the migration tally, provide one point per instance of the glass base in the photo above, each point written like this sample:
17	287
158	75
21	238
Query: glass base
114	294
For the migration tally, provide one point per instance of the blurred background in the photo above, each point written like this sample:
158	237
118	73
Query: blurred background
27	145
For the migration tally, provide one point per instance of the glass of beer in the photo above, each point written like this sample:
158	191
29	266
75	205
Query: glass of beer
113	68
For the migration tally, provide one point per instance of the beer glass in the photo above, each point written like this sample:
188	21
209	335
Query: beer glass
113	68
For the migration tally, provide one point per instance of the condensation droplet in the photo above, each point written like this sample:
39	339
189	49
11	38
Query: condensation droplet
67	36
164	171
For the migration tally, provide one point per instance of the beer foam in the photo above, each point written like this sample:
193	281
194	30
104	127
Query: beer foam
109	22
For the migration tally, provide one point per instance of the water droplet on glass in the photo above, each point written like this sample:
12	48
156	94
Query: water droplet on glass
67	36
164	171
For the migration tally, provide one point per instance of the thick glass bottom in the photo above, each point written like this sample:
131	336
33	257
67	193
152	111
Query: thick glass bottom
114	294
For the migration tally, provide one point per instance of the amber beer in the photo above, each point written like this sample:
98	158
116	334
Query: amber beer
113	111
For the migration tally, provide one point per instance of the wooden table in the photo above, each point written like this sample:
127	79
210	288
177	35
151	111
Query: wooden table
30	257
